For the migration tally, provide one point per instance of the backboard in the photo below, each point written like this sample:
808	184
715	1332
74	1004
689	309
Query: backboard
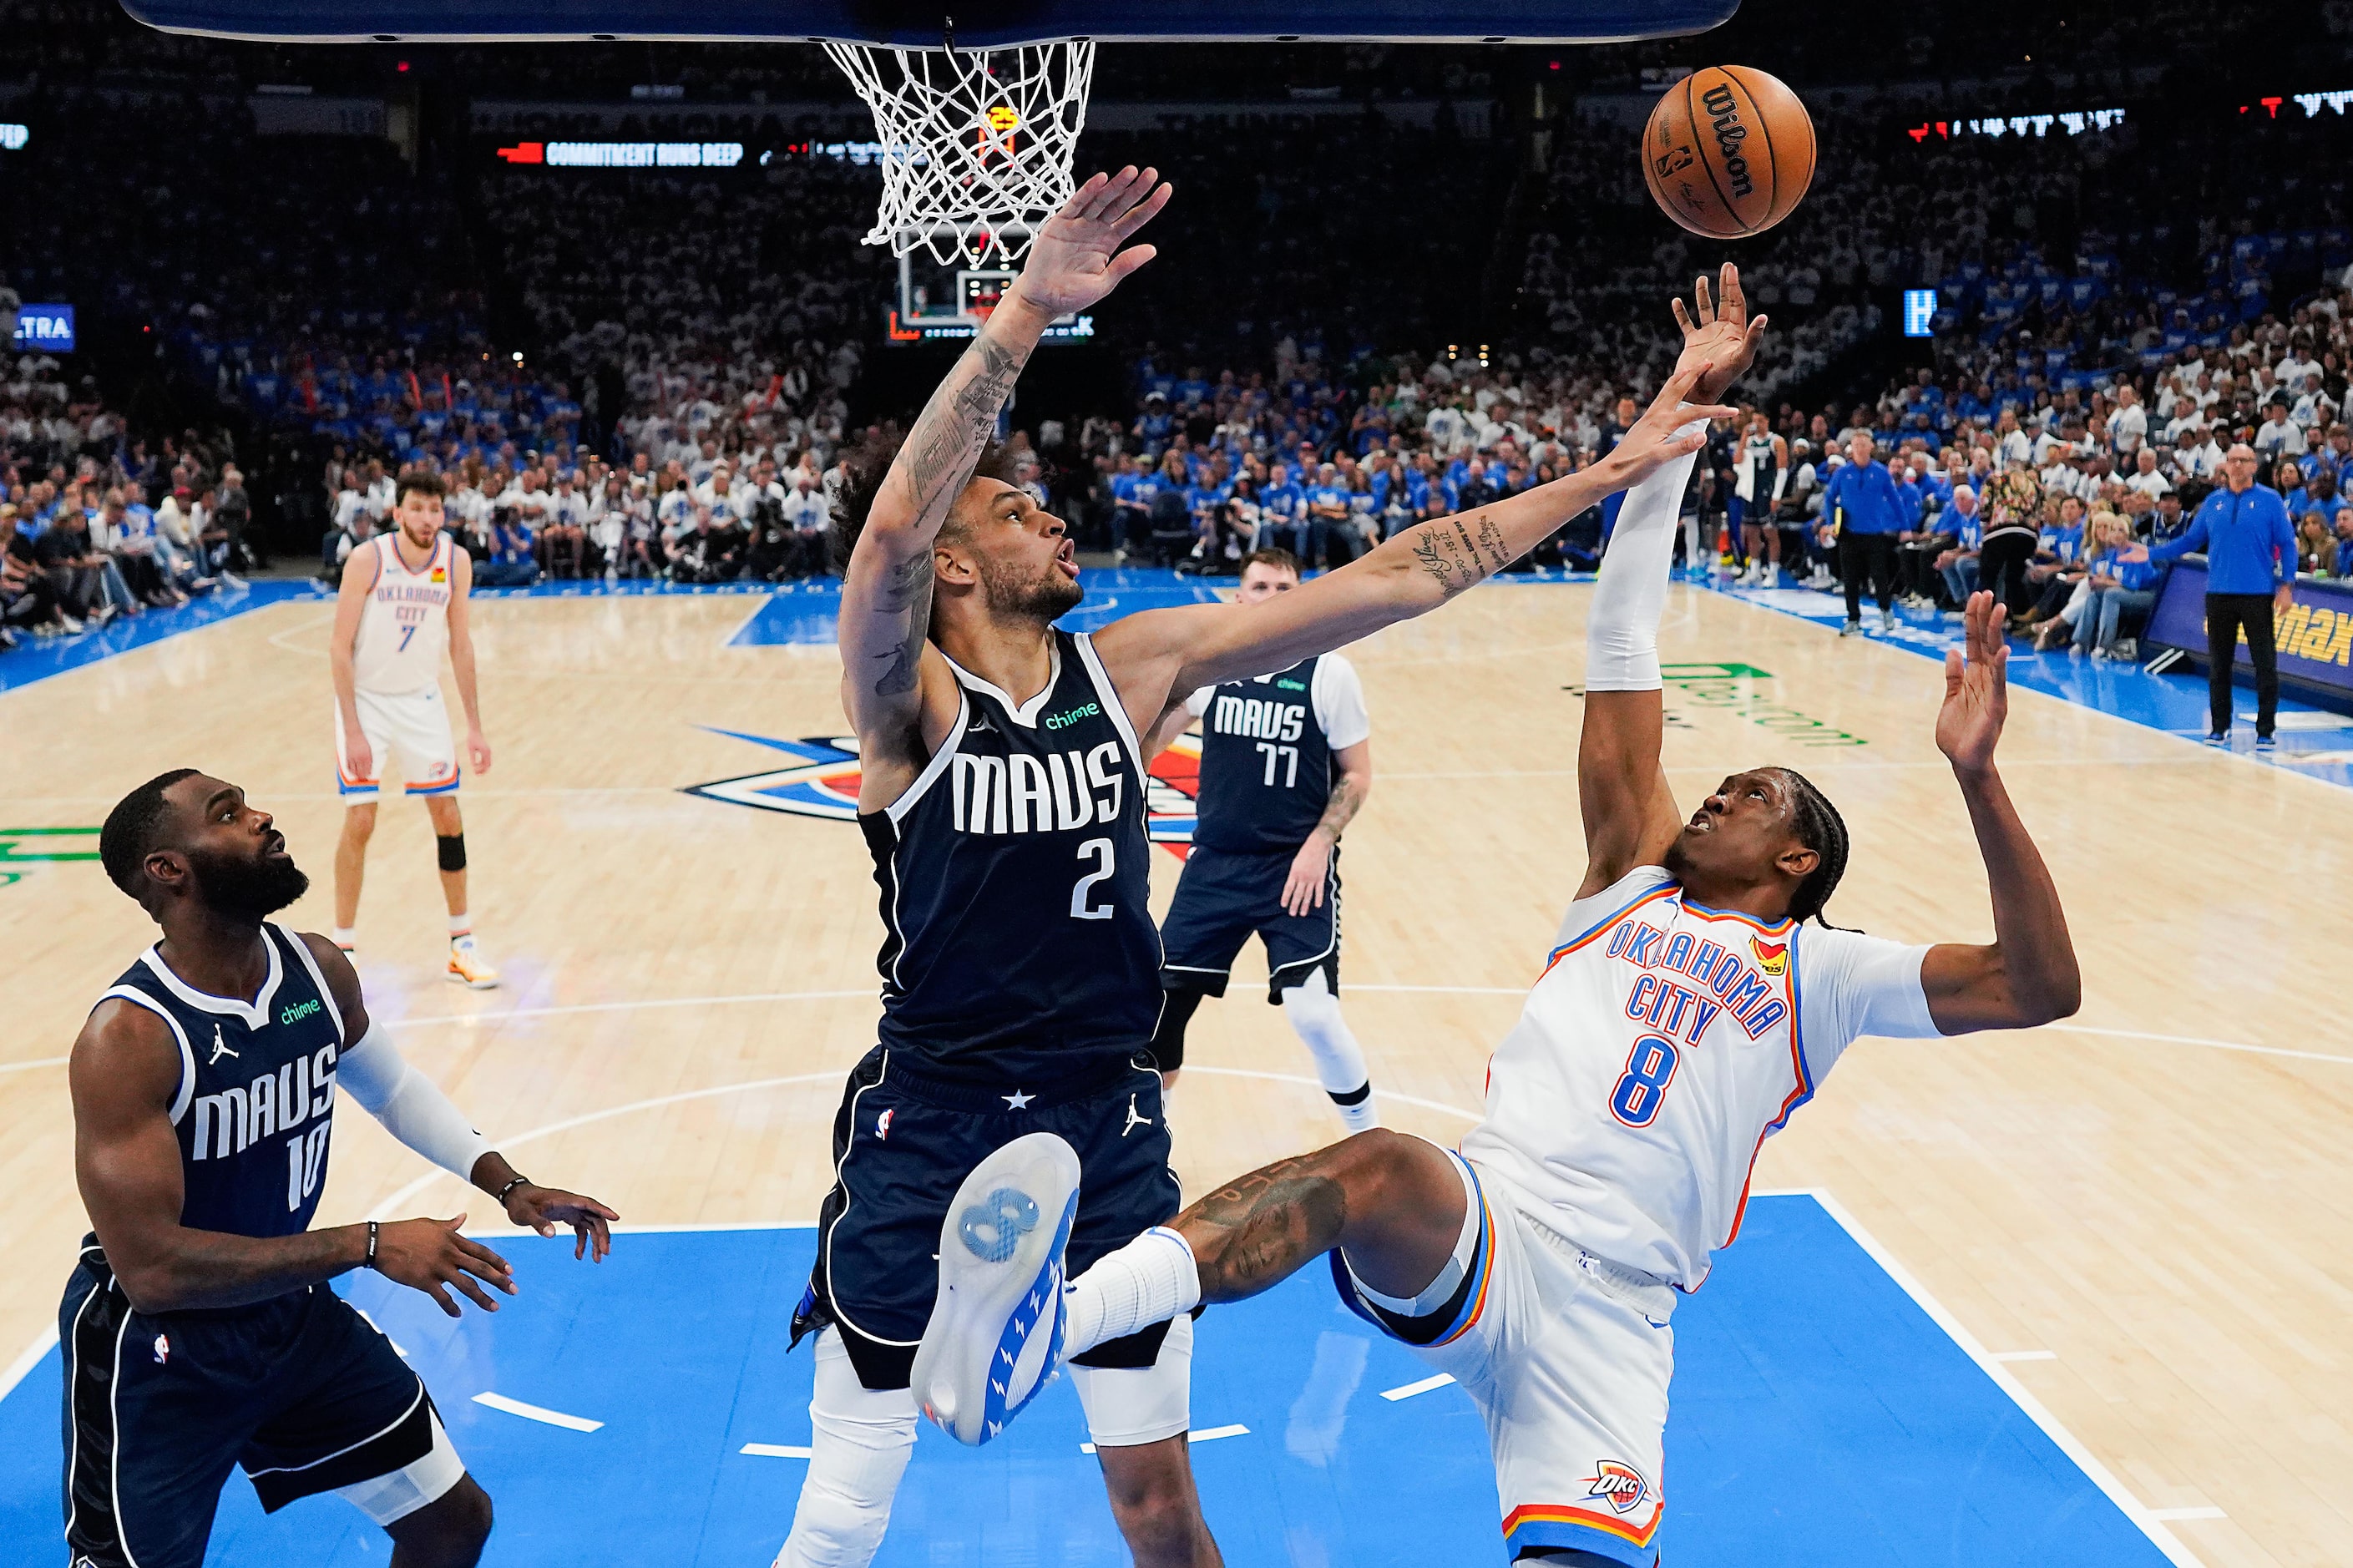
912	24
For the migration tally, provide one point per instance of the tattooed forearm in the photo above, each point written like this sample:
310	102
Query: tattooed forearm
1491	544
949	434
1348	796
1444	550
1264	1227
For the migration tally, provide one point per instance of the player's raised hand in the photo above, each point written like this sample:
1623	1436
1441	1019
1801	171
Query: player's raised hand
1977	687
1076	258
1659	436
544	1208
1717	330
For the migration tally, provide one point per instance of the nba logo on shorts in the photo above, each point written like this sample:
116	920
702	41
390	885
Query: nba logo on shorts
1619	1485
162	1349
883	1125
1772	957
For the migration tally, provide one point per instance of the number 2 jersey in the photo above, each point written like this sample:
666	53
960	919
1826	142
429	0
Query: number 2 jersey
1664	1042
256	1100
1018	947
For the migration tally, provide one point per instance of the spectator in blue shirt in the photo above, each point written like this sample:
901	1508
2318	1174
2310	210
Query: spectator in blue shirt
1865	512
2118	585
2250	549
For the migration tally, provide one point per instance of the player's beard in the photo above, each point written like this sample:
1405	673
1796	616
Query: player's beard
1042	598
247	887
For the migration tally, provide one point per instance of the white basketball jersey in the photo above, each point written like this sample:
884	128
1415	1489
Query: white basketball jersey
405	624
1661	1046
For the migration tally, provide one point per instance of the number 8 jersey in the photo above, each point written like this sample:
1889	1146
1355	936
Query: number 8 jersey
1664	1042
1018	945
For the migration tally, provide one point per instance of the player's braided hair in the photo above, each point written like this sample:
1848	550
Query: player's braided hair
1821	829
869	466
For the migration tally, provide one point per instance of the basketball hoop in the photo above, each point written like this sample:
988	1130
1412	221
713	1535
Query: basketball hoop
977	144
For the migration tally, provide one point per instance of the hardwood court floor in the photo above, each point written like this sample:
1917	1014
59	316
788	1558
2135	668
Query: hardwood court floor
2170	1218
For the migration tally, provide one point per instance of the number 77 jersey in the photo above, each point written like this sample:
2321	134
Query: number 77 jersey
1664	1042
1018	945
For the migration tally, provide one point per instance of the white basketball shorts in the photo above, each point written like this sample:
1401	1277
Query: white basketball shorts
1567	1357
415	725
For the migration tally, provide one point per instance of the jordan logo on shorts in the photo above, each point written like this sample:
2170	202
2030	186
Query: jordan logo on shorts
1133	1120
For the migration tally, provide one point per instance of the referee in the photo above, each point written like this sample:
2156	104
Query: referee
2250	549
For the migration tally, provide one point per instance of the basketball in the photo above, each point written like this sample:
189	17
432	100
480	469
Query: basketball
1728	152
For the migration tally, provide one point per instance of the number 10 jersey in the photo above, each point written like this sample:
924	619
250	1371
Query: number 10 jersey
1018	946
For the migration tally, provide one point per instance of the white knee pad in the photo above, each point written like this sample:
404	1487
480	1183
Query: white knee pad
1127	1407
1315	1014
859	1442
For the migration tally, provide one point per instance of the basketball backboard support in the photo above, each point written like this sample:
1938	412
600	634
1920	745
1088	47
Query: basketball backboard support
937	303
915	23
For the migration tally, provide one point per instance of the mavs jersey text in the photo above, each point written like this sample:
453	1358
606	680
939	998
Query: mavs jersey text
257	1098
1266	752
1017	944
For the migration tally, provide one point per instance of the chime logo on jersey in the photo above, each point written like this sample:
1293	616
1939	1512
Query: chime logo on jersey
1772	957
1620	1486
822	781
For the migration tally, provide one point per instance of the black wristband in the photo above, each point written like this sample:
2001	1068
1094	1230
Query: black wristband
502	1192
370	1260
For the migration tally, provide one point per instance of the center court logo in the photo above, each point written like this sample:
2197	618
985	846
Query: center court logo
822	776
1620	1485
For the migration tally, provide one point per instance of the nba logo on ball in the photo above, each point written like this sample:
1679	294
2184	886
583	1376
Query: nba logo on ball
1728	152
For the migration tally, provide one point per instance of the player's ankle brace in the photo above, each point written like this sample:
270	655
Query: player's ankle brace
1315	1019
1149	1280
452	849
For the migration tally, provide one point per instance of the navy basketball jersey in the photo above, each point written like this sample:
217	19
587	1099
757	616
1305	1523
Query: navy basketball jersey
256	1094
1266	763
1018	946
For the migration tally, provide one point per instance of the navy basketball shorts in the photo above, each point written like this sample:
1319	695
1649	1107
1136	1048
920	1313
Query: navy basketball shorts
903	1141
1222	898
299	1390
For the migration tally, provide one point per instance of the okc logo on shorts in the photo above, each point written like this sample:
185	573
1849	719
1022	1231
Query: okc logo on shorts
1620	1486
1772	957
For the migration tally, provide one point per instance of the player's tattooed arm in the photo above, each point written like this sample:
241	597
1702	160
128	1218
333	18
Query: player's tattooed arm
1458	553
948	435
1349	792
906	596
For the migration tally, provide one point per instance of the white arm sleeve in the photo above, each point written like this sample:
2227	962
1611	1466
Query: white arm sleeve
411	1106
1621	632
1339	703
1199	703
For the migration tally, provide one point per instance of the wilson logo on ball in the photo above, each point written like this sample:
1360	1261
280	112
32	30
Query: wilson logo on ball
1729	134
1728	152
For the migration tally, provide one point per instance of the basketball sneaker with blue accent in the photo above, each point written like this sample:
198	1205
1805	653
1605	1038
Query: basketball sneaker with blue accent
995	1337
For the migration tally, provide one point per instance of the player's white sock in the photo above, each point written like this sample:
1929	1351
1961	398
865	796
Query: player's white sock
1149	1280
860	1441
345	937
1315	1014
461	925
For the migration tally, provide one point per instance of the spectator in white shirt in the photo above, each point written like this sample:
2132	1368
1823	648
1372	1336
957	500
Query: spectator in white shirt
2128	425
2279	436
2146	477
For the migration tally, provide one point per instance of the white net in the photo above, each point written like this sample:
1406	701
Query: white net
977	144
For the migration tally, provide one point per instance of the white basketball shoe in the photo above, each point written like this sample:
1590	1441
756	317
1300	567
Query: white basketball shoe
995	1337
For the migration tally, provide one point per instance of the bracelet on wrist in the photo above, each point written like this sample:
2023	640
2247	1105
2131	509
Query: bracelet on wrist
369	1261
502	1192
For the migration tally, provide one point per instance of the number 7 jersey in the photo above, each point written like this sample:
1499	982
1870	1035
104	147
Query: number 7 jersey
1018	945
1664	1042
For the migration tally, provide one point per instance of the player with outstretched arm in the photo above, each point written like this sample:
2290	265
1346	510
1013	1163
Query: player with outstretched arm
1686	1010
1002	797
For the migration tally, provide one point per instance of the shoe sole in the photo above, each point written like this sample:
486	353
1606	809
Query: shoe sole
1001	1247
470	984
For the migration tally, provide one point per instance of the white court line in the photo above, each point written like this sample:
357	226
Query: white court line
537	1413
1200	1434
2150	1523
2171	1513
372	1323
42	1344
2025	1355
774	1451
1410	1389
